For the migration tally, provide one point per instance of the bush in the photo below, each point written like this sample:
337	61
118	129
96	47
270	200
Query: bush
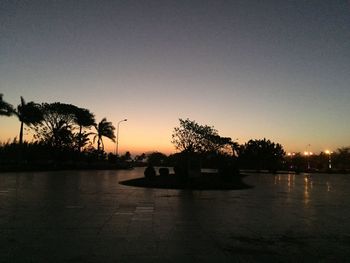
150	172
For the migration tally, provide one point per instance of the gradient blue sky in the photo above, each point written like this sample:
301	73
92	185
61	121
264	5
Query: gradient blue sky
252	69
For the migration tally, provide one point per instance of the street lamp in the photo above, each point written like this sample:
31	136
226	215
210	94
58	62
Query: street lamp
291	155
329	158
308	154
116	148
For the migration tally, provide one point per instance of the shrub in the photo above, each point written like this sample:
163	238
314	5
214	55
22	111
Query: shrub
150	172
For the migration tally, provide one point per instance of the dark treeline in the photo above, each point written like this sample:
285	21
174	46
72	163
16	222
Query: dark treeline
201	146
340	160
68	136
62	133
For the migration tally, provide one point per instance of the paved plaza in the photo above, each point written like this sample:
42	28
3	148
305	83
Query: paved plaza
87	216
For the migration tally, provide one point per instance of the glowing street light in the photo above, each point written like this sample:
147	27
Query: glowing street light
308	154
329	158
116	148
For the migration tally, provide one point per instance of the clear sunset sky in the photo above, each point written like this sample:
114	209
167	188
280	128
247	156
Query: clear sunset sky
250	68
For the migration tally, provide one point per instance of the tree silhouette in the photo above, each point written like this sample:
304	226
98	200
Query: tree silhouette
57	126
140	158
84	119
261	154
6	109
157	158
200	144
192	137
29	114
341	158
126	157
103	129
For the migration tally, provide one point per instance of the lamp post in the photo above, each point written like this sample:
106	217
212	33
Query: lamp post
116	148
291	155
308	154
329	158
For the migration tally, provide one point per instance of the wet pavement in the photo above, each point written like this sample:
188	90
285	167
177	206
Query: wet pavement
87	216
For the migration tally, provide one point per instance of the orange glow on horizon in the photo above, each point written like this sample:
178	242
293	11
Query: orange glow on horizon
139	149
141	135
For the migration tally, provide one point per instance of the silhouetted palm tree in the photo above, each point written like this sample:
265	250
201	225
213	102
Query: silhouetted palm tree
28	114
104	129
6	109
83	118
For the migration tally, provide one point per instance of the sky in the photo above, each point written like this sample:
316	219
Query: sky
252	69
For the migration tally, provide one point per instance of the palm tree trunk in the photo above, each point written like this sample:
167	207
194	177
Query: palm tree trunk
98	144
21	134
20	152
79	139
